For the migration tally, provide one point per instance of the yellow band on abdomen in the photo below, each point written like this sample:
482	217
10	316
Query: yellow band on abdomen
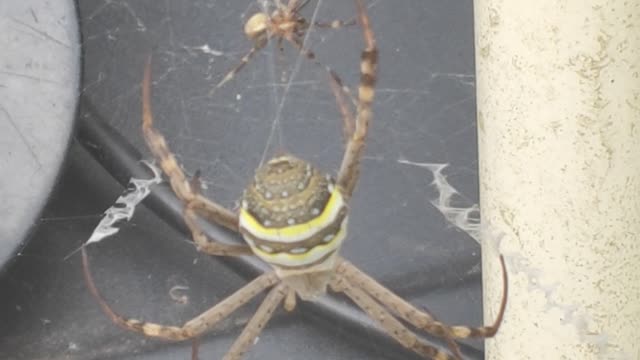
296	232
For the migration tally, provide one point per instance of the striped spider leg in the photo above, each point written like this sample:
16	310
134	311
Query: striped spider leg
294	217
361	288
380	303
283	23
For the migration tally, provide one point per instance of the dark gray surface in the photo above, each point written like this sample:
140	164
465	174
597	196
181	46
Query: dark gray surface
424	112
39	85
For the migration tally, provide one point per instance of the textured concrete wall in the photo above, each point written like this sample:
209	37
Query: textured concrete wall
558	86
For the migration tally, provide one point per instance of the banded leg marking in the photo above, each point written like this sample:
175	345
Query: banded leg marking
350	167
383	317
192	328
415	317
182	187
257	323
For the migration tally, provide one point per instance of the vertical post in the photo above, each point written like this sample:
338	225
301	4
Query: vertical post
558	91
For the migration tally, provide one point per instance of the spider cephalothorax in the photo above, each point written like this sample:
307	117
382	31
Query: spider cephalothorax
293	216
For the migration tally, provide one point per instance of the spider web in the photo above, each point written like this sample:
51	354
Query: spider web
299	112
414	223
424	112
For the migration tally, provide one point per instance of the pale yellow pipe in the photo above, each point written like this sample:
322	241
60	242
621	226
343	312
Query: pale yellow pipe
558	87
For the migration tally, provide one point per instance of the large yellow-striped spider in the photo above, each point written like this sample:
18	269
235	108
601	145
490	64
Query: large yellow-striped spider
294	217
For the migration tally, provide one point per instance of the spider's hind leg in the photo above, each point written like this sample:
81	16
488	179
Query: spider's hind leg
420	319
191	329
389	323
257	323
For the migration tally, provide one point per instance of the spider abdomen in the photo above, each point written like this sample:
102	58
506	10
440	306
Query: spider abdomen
292	215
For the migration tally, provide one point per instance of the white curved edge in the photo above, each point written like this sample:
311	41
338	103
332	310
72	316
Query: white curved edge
39	87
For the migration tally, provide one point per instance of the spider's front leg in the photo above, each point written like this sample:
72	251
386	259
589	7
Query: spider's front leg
350	167
195	203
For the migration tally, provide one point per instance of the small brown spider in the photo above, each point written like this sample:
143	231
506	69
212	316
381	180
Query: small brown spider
284	23
294	217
